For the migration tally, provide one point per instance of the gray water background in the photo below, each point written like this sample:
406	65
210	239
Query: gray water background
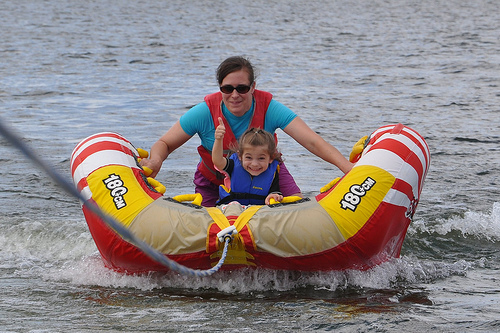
70	69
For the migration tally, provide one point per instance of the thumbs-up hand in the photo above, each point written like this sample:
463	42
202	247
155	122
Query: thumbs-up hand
220	130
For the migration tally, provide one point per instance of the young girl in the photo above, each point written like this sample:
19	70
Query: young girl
253	171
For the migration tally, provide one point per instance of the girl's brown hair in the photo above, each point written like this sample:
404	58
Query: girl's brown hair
259	137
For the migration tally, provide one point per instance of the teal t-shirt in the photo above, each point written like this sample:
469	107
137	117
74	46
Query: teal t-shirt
198	120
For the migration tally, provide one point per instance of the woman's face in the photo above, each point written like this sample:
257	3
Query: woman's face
237	103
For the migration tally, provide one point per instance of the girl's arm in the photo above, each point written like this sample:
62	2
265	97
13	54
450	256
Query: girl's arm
275	195
217	151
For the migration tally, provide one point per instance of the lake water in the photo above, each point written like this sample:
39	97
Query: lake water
70	69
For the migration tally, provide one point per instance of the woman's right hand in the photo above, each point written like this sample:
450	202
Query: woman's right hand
150	165
170	141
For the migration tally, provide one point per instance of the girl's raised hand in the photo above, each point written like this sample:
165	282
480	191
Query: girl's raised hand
220	130
276	196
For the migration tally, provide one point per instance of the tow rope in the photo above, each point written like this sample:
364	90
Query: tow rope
225	235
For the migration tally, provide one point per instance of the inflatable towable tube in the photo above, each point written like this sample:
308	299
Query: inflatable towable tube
357	222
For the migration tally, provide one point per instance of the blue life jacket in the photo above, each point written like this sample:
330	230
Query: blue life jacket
245	189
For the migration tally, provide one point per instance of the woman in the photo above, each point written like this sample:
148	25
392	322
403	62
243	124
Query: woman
241	106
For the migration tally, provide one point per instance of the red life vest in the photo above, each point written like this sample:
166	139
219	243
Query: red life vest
214	102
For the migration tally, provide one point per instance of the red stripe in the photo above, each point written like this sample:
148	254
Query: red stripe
425	152
82	184
213	229
379	134
247	239
97	147
397	129
141	179
407	155
403	187
408	132
402	151
101	135
419	144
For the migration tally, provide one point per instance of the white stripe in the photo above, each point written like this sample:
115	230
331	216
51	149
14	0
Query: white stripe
384	159
426	151
100	159
408	131
425	154
81	146
418	152
85	192
99	140
382	129
392	163
413	147
397	198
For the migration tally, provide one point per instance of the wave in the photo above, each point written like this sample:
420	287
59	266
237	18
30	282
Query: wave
480	225
63	251
397	274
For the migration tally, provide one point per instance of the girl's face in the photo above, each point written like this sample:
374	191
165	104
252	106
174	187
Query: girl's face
255	159
237	103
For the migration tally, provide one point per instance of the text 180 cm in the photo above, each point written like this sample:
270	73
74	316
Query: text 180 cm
116	189
352	198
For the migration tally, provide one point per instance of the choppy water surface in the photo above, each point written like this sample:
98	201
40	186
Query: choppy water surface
70	69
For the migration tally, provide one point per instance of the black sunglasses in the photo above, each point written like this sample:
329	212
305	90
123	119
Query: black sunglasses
240	88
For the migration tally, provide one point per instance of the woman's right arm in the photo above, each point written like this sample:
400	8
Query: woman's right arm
313	142
170	141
